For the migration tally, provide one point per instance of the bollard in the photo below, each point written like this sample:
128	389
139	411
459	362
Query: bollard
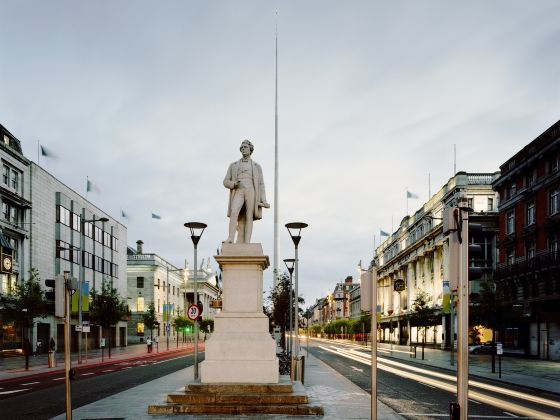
52	359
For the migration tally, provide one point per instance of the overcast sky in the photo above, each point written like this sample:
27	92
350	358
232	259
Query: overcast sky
152	99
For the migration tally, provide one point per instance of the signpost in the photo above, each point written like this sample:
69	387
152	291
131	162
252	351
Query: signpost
193	312
499	352
86	329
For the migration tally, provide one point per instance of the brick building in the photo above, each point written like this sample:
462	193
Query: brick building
528	274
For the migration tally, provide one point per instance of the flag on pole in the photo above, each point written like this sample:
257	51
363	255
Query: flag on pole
90	186
156	216
47	152
383	233
411	195
123	214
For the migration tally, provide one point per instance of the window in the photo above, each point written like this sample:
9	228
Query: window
555	163
158	284
530	249
15	245
530	214
106	239
76	221
164	286
174	290
510	256
98	263
106	267
553	202
87	259
88	229
114	270
553	244
140	304
75	255
6	140
532	178
10	213
63	250
14	215
139	282
470	203
97	234
158	305
490	204
140	328
512	190
63	215
114	243
6	175
6	211
15	180
510	222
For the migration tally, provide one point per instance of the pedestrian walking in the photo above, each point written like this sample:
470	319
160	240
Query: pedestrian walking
149	343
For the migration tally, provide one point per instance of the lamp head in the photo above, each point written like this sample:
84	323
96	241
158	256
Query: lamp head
294	229
197	229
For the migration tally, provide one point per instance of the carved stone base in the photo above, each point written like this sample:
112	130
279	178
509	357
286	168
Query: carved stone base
241	349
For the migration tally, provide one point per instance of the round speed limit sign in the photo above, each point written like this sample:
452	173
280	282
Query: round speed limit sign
193	312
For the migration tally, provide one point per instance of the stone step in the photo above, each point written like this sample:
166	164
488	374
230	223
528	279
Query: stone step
237	398
225	388
293	410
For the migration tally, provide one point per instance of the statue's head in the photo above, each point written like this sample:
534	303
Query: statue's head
248	144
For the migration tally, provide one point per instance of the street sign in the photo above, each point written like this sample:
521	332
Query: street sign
85	328
193	312
499	349
102	342
168	328
78	328
399	285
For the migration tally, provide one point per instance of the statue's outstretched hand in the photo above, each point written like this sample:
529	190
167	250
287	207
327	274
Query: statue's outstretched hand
265	205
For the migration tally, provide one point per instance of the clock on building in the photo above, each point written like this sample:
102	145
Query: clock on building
6	263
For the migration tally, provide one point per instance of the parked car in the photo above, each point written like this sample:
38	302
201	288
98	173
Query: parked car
482	348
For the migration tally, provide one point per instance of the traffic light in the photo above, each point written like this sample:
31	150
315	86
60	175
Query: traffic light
200	308
56	295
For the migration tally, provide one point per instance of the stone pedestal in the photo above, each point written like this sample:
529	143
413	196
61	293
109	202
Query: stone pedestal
241	349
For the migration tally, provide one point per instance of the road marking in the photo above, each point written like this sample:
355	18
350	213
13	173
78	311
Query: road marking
509	414
480	416
128	367
86	374
355	368
423	383
29	383
473	401
58	379
108	370
496	402
13	392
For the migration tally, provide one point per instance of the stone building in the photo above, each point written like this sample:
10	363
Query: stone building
14	226
152	279
528	274
417	254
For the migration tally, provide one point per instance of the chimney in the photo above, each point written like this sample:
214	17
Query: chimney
139	244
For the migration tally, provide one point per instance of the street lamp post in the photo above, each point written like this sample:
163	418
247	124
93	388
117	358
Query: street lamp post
81	281
197	229
290	266
294	229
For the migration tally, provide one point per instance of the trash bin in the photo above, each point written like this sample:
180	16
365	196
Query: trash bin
298	369
52	359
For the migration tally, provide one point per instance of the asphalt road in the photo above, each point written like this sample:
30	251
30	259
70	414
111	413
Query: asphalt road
419	392
44	395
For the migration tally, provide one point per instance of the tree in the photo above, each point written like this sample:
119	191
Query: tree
181	323
422	314
26	303
107	308
149	319
206	325
486	310
280	311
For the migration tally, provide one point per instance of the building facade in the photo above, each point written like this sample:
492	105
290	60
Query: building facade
14	226
152	279
528	274
67	235
417	254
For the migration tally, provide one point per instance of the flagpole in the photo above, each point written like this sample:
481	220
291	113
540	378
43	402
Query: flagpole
38	152
407	201
429	187
276	240
87	184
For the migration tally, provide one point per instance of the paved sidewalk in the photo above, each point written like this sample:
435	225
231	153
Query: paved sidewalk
340	398
14	367
534	373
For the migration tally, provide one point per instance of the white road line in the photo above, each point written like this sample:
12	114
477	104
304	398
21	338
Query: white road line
58	379
29	383
510	414
86	374
423	383
108	370
128	367
13	392
496	402
356	369
475	402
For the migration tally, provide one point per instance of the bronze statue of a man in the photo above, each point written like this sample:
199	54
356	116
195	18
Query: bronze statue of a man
247	197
